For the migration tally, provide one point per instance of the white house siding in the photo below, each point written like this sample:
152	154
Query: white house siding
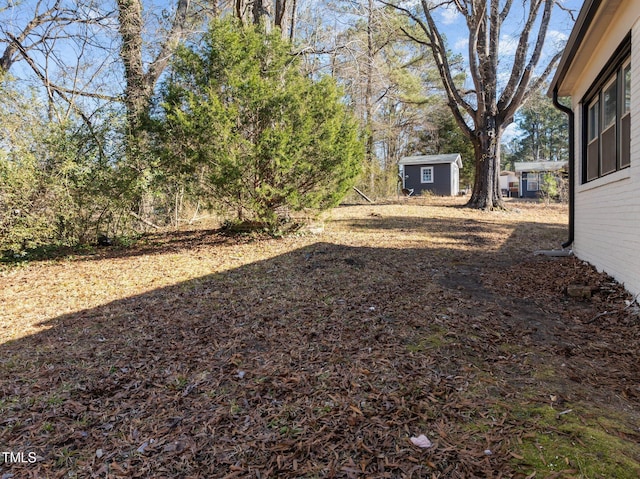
607	218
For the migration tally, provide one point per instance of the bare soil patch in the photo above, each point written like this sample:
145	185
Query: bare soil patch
195	355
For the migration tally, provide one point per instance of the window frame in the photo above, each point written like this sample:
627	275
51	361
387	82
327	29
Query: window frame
625	115
606	138
423	170
533	178
611	85
593	120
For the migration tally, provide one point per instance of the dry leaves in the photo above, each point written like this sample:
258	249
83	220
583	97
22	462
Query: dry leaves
198	356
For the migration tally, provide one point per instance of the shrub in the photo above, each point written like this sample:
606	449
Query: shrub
250	132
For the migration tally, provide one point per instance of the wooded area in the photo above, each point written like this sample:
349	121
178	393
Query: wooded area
89	146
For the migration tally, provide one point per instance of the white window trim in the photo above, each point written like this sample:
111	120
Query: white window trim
422	170
620	175
593	132
531	180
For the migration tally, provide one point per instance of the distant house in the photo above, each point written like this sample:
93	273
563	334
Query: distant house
509	184
438	174
531	175
599	70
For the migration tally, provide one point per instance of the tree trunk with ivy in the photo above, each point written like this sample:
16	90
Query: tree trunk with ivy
139	87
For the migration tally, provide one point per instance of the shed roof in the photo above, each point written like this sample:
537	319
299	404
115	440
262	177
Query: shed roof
432	159
540	165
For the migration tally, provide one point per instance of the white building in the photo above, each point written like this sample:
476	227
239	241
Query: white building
600	71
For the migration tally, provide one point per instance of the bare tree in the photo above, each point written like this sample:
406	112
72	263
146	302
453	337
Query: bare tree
147	43
57	42
384	75
140	79
488	107
70	46
268	13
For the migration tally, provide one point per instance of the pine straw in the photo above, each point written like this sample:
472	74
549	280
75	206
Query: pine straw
195	355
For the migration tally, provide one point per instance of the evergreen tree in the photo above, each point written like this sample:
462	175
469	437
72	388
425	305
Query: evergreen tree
238	114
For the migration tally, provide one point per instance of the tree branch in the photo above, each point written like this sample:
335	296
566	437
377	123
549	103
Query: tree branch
48	84
168	47
52	88
414	38
442	63
533	61
519	61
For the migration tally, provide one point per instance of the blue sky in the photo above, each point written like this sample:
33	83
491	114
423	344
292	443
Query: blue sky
453	26
449	20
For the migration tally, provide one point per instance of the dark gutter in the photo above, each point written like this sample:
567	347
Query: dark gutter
572	186
583	22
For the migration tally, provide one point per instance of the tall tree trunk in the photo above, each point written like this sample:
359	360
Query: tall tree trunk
137	97
140	84
292	24
368	100
486	188
263	14
279	11
137	92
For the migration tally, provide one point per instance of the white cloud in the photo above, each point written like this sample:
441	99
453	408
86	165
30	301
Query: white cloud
508	45
449	14
556	38
462	43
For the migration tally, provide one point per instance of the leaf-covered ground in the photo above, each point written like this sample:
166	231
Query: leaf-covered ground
195	355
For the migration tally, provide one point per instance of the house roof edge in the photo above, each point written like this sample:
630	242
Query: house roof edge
585	18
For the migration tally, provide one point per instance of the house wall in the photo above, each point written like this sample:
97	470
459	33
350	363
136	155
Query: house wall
607	218
524	182
505	185
441	179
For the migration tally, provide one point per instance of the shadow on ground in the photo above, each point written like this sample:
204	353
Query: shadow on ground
321	362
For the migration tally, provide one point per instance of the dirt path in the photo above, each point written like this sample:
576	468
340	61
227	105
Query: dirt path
195	355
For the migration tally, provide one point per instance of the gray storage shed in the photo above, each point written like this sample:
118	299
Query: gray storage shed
439	174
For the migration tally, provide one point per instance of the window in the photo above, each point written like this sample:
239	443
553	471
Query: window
593	148
532	182
426	174
625	120
608	147
607	119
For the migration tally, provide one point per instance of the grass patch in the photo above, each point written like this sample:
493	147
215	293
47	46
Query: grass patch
577	444
435	340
